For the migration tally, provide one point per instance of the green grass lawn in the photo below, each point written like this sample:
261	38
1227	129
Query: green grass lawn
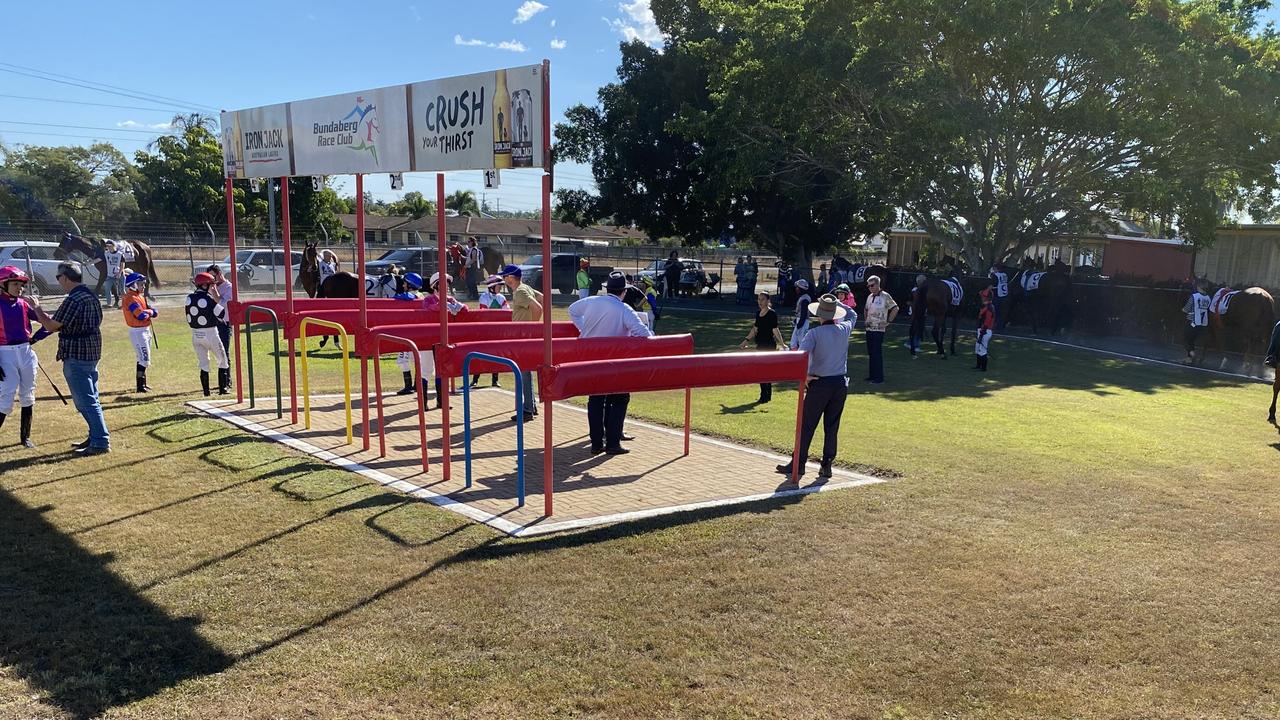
1065	536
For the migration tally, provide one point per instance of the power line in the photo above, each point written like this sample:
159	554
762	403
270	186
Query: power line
83	127
85	102
70	135
80	85
135	93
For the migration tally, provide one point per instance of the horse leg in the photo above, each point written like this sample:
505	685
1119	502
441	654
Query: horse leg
938	333
955	318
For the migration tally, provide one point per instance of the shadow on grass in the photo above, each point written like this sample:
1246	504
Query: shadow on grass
499	548
76	632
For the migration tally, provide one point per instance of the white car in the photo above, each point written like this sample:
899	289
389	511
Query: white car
39	260
264	269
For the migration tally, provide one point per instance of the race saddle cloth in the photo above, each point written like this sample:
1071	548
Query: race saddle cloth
859	273
957	292
1222	300
1031	281
126	248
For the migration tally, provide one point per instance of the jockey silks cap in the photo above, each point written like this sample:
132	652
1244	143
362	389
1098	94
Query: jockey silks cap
827	308
493	280
617	281
203	278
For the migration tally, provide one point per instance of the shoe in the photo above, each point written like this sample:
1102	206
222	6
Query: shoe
616	451
224	381
80	445
475	385
528	417
408	385
627	438
825	470
786	470
877	382
597	449
87	451
496	384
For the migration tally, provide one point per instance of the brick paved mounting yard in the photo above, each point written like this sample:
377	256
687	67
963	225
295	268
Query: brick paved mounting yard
655	479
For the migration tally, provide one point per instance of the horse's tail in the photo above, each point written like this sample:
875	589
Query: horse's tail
145	253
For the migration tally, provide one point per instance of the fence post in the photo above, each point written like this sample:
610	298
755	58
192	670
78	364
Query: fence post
191	259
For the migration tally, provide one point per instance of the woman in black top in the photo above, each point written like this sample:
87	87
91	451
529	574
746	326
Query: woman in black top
764	330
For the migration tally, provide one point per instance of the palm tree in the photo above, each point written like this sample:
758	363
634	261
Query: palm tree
415	205
463	201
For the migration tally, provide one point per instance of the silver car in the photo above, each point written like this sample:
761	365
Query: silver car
39	260
264	269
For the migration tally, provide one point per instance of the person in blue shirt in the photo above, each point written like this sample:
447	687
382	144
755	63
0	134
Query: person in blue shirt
827	386
608	316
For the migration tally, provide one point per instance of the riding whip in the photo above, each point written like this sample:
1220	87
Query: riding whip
51	383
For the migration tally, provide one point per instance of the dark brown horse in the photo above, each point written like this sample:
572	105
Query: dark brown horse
1045	296
1244	327
939	298
94	252
309	269
1273	359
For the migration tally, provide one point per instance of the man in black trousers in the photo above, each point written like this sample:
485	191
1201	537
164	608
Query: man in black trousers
608	316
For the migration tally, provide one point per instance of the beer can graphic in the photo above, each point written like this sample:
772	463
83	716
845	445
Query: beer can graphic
522	128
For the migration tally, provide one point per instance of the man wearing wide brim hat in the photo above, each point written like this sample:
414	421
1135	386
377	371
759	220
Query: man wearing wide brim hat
827	343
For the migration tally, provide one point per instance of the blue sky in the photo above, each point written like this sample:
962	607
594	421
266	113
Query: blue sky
231	55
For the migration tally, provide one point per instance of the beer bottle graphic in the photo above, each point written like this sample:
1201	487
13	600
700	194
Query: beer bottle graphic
522	128
501	123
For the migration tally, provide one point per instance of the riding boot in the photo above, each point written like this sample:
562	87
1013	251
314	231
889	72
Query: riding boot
141	378
224	381
983	362
408	385
24	429
204	382
977	362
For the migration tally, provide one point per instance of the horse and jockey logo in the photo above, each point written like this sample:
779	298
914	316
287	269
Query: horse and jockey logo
367	120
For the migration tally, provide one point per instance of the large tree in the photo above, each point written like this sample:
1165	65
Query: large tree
464	202
1020	122
92	185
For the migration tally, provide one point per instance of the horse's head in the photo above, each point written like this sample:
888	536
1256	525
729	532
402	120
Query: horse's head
71	244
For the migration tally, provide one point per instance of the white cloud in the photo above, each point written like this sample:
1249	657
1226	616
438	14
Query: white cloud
145	126
527	10
512	45
553	23
557	44
639	25
413	9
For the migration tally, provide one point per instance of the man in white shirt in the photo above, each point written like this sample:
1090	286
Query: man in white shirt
114	258
1197	312
607	316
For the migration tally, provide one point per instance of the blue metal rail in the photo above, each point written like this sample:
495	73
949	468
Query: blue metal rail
466	416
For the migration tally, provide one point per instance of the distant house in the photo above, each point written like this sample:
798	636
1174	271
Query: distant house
403	230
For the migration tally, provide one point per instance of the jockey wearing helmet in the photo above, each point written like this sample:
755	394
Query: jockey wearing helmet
18	361
137	315
203	312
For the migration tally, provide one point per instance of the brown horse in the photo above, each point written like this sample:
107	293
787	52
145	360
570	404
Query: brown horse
93	251
938	297
1244	327
309	269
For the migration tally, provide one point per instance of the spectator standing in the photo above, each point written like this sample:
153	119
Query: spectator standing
475	262
607	316
222	290
881	309
800	321
583	279
753	274
827	382
764	331
78	322
740	277
1197	311
671	275
114	258
526	306
823	279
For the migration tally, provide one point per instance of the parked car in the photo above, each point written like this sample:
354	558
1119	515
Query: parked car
264	269
693	278
419	259
564	273
38	259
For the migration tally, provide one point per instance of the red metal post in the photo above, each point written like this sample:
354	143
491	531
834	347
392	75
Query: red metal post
688	398
548	360
364	309
442	268
288	299
235	280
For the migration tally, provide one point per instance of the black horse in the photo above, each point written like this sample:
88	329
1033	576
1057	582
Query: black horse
1045	295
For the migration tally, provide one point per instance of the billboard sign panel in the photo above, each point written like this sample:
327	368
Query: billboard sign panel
471	122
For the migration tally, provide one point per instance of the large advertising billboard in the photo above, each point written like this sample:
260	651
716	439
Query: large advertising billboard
471	122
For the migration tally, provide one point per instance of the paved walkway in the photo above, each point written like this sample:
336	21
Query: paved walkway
654	479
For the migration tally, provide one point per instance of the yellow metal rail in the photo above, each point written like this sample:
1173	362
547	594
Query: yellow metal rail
346	370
